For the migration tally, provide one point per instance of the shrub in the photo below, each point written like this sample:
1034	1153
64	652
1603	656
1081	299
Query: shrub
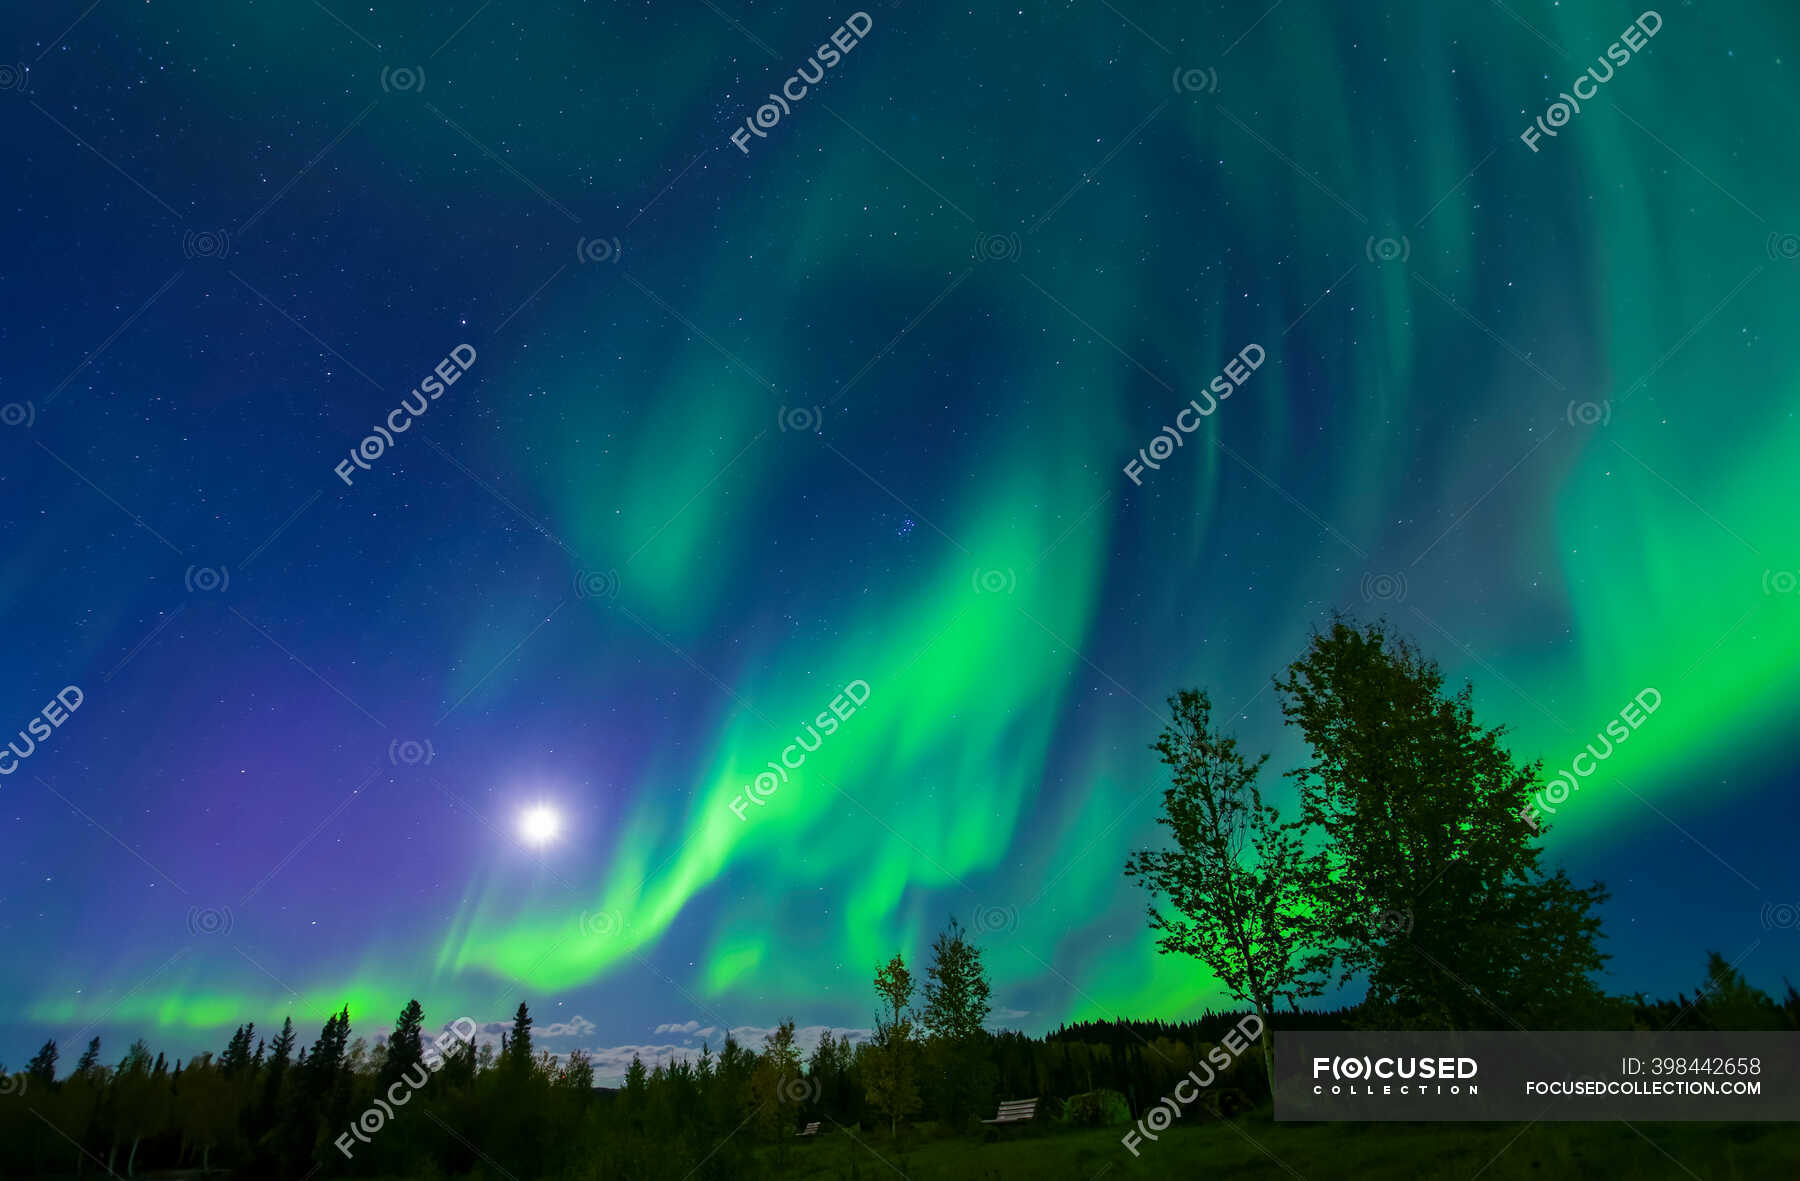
1096	1109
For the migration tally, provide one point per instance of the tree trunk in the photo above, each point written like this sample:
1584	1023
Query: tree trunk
131	1161
1263	1013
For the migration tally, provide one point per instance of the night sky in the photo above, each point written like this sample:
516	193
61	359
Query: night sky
842	409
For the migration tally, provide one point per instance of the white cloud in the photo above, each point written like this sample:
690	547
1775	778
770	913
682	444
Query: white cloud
576	1026
691	1028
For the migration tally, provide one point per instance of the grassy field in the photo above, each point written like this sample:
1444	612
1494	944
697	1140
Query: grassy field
1255	1147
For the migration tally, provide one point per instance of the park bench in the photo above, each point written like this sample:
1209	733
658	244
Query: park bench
1015	1111
811	1129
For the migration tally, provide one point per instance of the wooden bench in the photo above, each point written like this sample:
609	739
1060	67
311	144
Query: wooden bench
811	1129
1015	1111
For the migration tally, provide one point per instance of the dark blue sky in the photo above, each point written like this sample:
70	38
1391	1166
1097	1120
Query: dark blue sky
867	398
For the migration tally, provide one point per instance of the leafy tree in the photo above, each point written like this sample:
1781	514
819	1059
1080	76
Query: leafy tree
828	1070
892	1075
138	1104
1247	919
207	1112
90	1059
823	1064
357	1060
894	988
777	1088
955	1016
578	1072
1431	885
956	988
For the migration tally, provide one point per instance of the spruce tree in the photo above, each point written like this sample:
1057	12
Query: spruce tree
236	1057
42	1067
518	1046
406	1045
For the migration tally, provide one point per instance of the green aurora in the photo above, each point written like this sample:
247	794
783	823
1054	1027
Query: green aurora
1417	416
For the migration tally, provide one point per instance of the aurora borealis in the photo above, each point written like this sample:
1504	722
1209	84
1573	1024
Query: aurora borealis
852	406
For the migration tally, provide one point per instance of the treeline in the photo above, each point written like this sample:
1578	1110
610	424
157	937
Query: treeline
408	1105
421	1107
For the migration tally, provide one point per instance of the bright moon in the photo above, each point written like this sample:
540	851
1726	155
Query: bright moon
539	825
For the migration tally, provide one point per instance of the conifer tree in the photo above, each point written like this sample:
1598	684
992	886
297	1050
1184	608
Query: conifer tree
405	1045
42	1067
517	1053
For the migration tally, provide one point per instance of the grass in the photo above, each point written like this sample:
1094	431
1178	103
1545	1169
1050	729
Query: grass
1256	1147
